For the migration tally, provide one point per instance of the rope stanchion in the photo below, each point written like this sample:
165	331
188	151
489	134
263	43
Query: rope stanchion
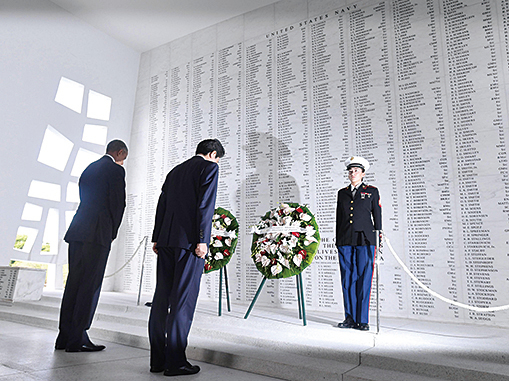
142	268
377	271
435	294
129	260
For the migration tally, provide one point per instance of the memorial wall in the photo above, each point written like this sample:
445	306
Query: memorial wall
416	87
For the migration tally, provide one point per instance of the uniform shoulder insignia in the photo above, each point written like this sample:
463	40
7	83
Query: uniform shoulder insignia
345	187
369	186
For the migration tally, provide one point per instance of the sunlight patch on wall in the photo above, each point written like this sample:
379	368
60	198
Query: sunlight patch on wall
73	192
55	149
83	159
25	238
31	212
70	94
50	236
95	134
58	152
46	191
69	215
99	106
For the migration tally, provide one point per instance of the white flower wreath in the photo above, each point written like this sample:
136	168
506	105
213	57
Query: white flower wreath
285	241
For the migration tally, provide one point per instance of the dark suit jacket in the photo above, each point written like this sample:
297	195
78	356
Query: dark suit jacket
186	205
102	203
358	217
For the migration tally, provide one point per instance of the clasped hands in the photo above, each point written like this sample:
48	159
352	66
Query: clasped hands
200	251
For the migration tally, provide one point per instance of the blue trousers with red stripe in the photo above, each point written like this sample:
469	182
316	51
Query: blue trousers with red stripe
356	267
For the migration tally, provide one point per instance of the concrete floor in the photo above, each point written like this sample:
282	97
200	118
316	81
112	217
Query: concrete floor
27	354
272	341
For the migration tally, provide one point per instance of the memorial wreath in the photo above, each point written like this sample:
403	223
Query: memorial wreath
285	241
223	240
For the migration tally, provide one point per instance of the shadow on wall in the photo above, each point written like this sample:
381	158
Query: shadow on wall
268	180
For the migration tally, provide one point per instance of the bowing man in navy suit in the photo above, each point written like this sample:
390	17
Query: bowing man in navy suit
358	215
93	228
181	237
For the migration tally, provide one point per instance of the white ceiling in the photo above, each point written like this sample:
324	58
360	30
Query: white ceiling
146	24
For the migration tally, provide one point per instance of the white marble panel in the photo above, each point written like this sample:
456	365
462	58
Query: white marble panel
181	50
30	284
230	32
204	41
289	12
316	8
259	22
159	58
17	284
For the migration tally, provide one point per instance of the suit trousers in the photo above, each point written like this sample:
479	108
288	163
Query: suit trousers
356	267
178	284
87	263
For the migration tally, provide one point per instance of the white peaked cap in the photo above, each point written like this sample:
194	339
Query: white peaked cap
357	161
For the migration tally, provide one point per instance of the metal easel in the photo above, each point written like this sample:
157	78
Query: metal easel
300	298
221	290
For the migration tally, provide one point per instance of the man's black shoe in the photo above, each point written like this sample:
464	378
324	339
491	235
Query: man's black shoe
362	327
348	323
183	370
86	348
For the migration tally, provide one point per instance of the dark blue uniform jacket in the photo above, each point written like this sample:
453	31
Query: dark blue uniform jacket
357	217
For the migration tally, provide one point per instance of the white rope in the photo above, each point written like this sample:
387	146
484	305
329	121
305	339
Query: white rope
424	287
129	260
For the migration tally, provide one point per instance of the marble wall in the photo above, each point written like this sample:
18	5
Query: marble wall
18	283
292	90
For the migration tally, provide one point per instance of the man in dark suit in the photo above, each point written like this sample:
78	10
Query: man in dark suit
181	237
93	228
358	215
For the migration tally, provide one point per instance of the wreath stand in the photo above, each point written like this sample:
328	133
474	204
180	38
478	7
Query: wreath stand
219	308
300	298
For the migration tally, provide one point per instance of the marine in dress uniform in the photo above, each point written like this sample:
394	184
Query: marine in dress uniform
358	215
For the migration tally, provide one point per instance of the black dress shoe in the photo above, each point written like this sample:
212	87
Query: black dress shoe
348	323
86	348
362	327
59	347
183	370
